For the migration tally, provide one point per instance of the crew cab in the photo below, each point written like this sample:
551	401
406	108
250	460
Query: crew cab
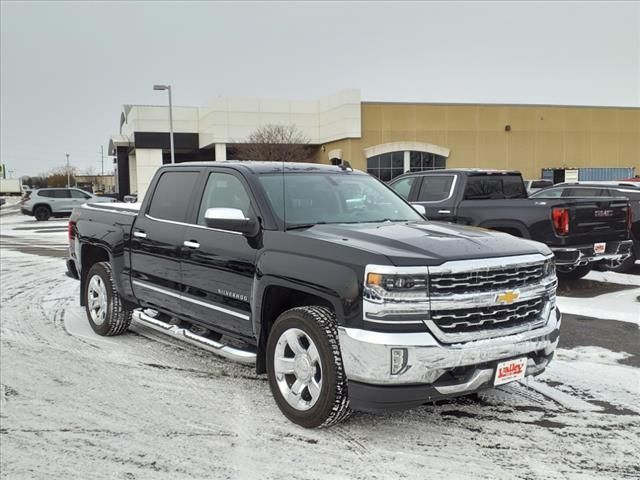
582	232
324	279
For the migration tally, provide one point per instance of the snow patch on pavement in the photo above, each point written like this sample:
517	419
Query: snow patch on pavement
622	305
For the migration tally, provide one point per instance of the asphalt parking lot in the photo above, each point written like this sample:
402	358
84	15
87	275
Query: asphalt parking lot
75	405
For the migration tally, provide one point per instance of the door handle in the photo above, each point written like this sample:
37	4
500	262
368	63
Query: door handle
191	244
444	212
139	234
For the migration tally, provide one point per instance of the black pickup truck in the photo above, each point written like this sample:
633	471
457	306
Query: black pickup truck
323	278
580	231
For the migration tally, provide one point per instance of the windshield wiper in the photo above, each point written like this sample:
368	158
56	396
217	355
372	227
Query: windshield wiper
381	220
300	226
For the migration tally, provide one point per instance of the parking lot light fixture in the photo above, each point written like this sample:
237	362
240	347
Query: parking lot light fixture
168	88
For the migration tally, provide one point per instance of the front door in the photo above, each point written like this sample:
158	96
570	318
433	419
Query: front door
78	198
218	266
156	241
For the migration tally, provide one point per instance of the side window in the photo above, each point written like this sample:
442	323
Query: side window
59	193
224	190
490	187
44	193
403	187
551	193
483	187
513	187
583	192
435	188
172	195
79	194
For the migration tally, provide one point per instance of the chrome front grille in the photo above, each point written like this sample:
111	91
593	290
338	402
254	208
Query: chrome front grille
487	279
467	320
477	299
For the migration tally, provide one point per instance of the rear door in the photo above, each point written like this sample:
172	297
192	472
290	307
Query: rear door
435	193
218	266
58	199
156	242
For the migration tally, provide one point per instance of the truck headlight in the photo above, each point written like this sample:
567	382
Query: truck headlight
549	267
396	286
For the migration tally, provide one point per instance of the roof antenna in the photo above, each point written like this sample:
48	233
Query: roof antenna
345	165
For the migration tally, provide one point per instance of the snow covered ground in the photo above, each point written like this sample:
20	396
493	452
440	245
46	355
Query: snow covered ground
619	304
75	405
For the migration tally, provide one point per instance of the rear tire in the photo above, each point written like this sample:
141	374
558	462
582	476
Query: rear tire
304	367
573	274
106	313
42	213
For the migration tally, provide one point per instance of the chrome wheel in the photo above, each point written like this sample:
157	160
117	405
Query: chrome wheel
97	300
298	369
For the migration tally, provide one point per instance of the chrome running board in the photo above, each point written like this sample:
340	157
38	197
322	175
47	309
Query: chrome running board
226	351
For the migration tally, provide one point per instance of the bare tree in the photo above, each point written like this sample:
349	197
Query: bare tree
57	177
275	143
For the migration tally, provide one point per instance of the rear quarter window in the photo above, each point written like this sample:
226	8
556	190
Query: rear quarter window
172	196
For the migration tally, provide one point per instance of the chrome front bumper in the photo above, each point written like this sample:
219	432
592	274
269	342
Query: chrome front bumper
367	354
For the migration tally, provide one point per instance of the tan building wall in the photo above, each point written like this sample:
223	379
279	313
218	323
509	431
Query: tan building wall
98	181
539	136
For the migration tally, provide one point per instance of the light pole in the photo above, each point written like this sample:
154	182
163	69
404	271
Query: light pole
168	88
68	177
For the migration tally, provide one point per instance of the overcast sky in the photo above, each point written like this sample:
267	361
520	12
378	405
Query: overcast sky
67	67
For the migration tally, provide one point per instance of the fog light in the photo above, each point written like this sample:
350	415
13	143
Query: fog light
399	357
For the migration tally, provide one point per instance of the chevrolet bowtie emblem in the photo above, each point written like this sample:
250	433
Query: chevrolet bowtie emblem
508	297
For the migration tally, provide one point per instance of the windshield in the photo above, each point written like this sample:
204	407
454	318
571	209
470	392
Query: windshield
313	198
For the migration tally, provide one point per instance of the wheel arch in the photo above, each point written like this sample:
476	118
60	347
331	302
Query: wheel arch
41	204
278	297
90	254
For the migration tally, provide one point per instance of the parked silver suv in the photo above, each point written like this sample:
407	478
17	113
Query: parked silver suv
47	202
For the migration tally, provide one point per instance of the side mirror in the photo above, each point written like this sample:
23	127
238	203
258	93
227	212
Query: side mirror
231	219
419	208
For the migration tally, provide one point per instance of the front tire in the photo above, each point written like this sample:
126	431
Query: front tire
573	273
106	313
42	213
304	367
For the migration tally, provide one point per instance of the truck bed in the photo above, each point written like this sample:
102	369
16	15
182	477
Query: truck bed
597	219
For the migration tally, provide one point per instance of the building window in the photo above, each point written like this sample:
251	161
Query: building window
419	161
386	166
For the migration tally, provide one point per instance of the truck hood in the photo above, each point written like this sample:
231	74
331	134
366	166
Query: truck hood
424	243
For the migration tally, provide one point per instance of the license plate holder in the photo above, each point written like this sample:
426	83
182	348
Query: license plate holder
510	371
599	248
